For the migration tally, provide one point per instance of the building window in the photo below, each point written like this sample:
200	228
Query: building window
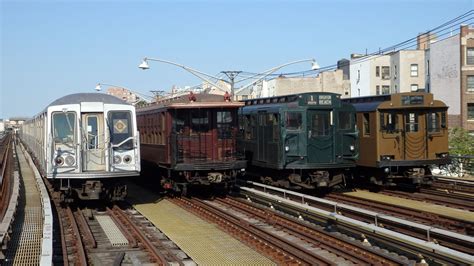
395	72
385	72
470	56
377	71
377	90
414	87
385	89
414	70
470	111
470	83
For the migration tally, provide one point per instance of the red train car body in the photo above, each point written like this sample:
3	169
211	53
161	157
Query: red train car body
191	139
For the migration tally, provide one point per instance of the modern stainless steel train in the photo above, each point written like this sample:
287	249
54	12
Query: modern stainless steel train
83	143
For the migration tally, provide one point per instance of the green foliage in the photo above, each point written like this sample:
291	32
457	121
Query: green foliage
460	142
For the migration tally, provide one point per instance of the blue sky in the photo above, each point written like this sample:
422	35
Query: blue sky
53	48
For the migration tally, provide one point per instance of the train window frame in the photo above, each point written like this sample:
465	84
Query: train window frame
433	125
389	122
54	134
350	122
224	128
317	122
130	126
204	127
299	119
412	126
366	124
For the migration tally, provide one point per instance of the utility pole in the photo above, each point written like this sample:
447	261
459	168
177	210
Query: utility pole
231	75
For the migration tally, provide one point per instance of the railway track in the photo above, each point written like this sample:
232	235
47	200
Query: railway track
286	240
87	235
403	236
455	185
435	196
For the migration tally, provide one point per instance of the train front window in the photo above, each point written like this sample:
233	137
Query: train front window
293	120
64	125
224	124
388	122
345	120
92	132
199	121
434	124
411	122
120	127
320	125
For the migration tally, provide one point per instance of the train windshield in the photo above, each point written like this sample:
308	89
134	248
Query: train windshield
293	120
120	127
224	124
64	125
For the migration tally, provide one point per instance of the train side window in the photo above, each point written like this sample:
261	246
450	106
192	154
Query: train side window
120	127
411	122
433	122
443	119
345	121
253	126
64	124
293	120
276	128
366	129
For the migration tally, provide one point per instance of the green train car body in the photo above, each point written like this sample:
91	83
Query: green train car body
312	134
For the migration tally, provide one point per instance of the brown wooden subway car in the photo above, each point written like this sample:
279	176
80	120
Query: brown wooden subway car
192	139
401	135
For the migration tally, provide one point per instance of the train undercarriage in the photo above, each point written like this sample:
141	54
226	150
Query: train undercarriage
302	179
391	176
90	189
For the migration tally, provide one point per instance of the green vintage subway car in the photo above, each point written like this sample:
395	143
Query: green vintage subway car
306	140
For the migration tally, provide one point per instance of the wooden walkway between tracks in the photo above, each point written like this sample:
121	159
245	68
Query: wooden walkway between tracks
415	205
205	243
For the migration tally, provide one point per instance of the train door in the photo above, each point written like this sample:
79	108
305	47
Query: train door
414	146
93	155
320	136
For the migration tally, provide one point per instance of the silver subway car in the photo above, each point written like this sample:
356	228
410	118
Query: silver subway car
83	142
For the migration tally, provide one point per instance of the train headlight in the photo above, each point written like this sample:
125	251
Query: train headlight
117	159
287	149
352	148
59	160
127	159
70	160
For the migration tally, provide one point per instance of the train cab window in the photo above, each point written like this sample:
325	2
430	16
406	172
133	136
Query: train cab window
92	133
366	124
199	121
320	125
64	125
345	120
388	122
224	124
411	122
120	127
293	120
434	124
179	121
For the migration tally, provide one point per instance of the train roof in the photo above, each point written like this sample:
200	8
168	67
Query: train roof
77	98
286	98
395	101
198	100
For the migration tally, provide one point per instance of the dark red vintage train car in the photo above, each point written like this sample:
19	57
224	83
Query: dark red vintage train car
191	139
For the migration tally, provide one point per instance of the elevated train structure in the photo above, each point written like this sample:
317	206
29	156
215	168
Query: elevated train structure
401	136
306	140
82	143
191	140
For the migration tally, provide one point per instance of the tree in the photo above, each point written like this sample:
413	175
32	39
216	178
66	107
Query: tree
460	142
